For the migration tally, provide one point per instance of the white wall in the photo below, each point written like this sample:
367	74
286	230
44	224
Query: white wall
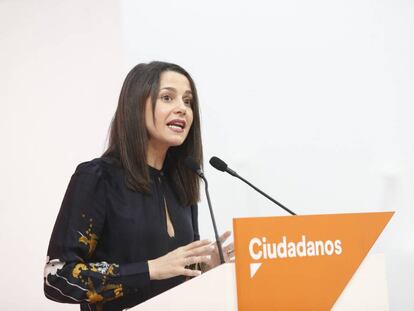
60	75
311	100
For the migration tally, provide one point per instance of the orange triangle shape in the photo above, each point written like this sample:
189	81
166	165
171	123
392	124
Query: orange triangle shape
306	261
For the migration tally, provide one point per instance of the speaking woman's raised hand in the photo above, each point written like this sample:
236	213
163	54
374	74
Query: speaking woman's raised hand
177	261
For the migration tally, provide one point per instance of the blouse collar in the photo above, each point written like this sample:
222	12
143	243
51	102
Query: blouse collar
155	172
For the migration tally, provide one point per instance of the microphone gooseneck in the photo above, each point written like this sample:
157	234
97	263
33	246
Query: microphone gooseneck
192	165
222	166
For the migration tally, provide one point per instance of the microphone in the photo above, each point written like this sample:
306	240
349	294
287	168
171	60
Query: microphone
222	166
192	165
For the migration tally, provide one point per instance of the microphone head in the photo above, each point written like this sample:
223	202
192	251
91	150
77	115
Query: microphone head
218	164
192	165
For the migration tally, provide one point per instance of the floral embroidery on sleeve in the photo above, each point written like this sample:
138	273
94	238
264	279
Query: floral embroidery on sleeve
89	238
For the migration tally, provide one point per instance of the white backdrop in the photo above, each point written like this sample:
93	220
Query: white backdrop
310	100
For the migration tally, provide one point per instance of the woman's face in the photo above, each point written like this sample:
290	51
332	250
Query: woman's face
173	114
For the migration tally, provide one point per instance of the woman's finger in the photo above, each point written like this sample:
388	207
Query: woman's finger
229	247
191	273
196	244
229	252
202	250
224	236
196	259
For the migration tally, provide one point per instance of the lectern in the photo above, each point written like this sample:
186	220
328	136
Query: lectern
220	289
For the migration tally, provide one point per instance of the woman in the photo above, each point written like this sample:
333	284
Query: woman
127	229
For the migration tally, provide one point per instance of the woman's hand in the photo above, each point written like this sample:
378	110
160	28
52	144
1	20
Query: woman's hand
174	263
228	252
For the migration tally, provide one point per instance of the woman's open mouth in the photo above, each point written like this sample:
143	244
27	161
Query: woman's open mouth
177	125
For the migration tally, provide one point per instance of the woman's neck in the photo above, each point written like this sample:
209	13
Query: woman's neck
156	155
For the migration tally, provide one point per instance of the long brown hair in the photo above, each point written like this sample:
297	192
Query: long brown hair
128	138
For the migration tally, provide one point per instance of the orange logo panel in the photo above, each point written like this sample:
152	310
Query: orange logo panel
300	262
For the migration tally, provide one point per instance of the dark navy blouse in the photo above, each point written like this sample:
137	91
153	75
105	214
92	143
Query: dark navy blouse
105	233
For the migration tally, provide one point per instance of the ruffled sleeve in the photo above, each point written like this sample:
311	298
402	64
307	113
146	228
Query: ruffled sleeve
70	275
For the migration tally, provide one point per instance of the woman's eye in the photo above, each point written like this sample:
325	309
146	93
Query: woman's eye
188	102
166	98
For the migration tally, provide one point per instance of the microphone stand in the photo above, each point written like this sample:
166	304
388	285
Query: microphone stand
220	250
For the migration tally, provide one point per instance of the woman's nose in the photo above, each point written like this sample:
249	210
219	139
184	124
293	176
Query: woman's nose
181	107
